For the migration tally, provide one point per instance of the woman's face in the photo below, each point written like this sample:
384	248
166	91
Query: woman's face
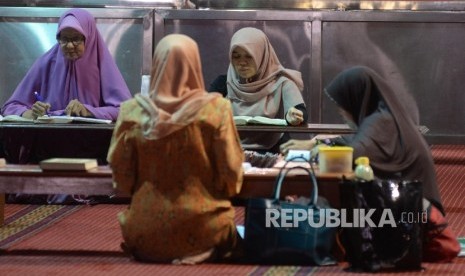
243	63
72	43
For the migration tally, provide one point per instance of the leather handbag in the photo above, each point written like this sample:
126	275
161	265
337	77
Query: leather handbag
391	237
278	232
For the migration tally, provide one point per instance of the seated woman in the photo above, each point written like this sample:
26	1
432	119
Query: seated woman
177	153
258	85
77	76
386	123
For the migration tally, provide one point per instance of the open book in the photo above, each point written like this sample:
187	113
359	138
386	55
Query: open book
14	118
53	119
69	119
258	120
68	164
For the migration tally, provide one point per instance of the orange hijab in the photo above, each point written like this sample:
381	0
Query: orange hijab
177	90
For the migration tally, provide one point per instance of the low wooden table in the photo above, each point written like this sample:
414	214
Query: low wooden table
30	143
30	179
309	128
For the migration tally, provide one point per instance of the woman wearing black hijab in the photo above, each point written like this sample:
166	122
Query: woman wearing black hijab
386	123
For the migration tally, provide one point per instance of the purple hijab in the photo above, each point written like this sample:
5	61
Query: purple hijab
94	79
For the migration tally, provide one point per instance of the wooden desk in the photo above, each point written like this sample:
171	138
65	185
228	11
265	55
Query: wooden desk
38	126
310	128
30	179
29	143
261	182
24	143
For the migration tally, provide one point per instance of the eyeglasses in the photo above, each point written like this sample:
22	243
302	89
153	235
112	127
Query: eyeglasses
75	40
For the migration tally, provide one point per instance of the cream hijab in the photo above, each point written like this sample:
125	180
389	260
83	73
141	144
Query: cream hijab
246	97
177	90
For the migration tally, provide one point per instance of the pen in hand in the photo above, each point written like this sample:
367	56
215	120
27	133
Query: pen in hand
38	96
40	99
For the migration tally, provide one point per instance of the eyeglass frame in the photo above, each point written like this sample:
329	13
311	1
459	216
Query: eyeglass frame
76	41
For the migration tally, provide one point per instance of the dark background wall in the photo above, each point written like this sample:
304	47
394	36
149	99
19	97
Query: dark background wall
420	50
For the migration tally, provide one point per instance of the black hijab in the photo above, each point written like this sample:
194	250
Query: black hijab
388	123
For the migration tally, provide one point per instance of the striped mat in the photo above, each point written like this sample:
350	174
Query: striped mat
23	221
56	239
84	240
450	169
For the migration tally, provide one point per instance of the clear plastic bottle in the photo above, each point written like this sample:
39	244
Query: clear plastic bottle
363	169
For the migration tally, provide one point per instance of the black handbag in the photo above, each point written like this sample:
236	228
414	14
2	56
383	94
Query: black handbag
298	242
393	239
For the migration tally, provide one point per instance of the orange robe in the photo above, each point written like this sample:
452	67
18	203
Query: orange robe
181	184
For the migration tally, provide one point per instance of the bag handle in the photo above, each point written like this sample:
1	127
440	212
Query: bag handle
283	173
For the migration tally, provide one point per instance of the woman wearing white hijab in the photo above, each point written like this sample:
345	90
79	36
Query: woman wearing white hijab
177	152
258	85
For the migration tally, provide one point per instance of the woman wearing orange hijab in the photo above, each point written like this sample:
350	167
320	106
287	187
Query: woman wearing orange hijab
178	154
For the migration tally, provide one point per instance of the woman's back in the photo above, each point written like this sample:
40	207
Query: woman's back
181	184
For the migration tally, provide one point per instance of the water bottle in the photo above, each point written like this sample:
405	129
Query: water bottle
363	169
145	85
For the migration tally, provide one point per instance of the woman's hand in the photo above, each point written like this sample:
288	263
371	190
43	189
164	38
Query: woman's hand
294	116
76	108
297	144
38	109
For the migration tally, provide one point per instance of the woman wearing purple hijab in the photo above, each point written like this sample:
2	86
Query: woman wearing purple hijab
76	77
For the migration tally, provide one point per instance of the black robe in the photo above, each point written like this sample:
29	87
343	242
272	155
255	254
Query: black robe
388	133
